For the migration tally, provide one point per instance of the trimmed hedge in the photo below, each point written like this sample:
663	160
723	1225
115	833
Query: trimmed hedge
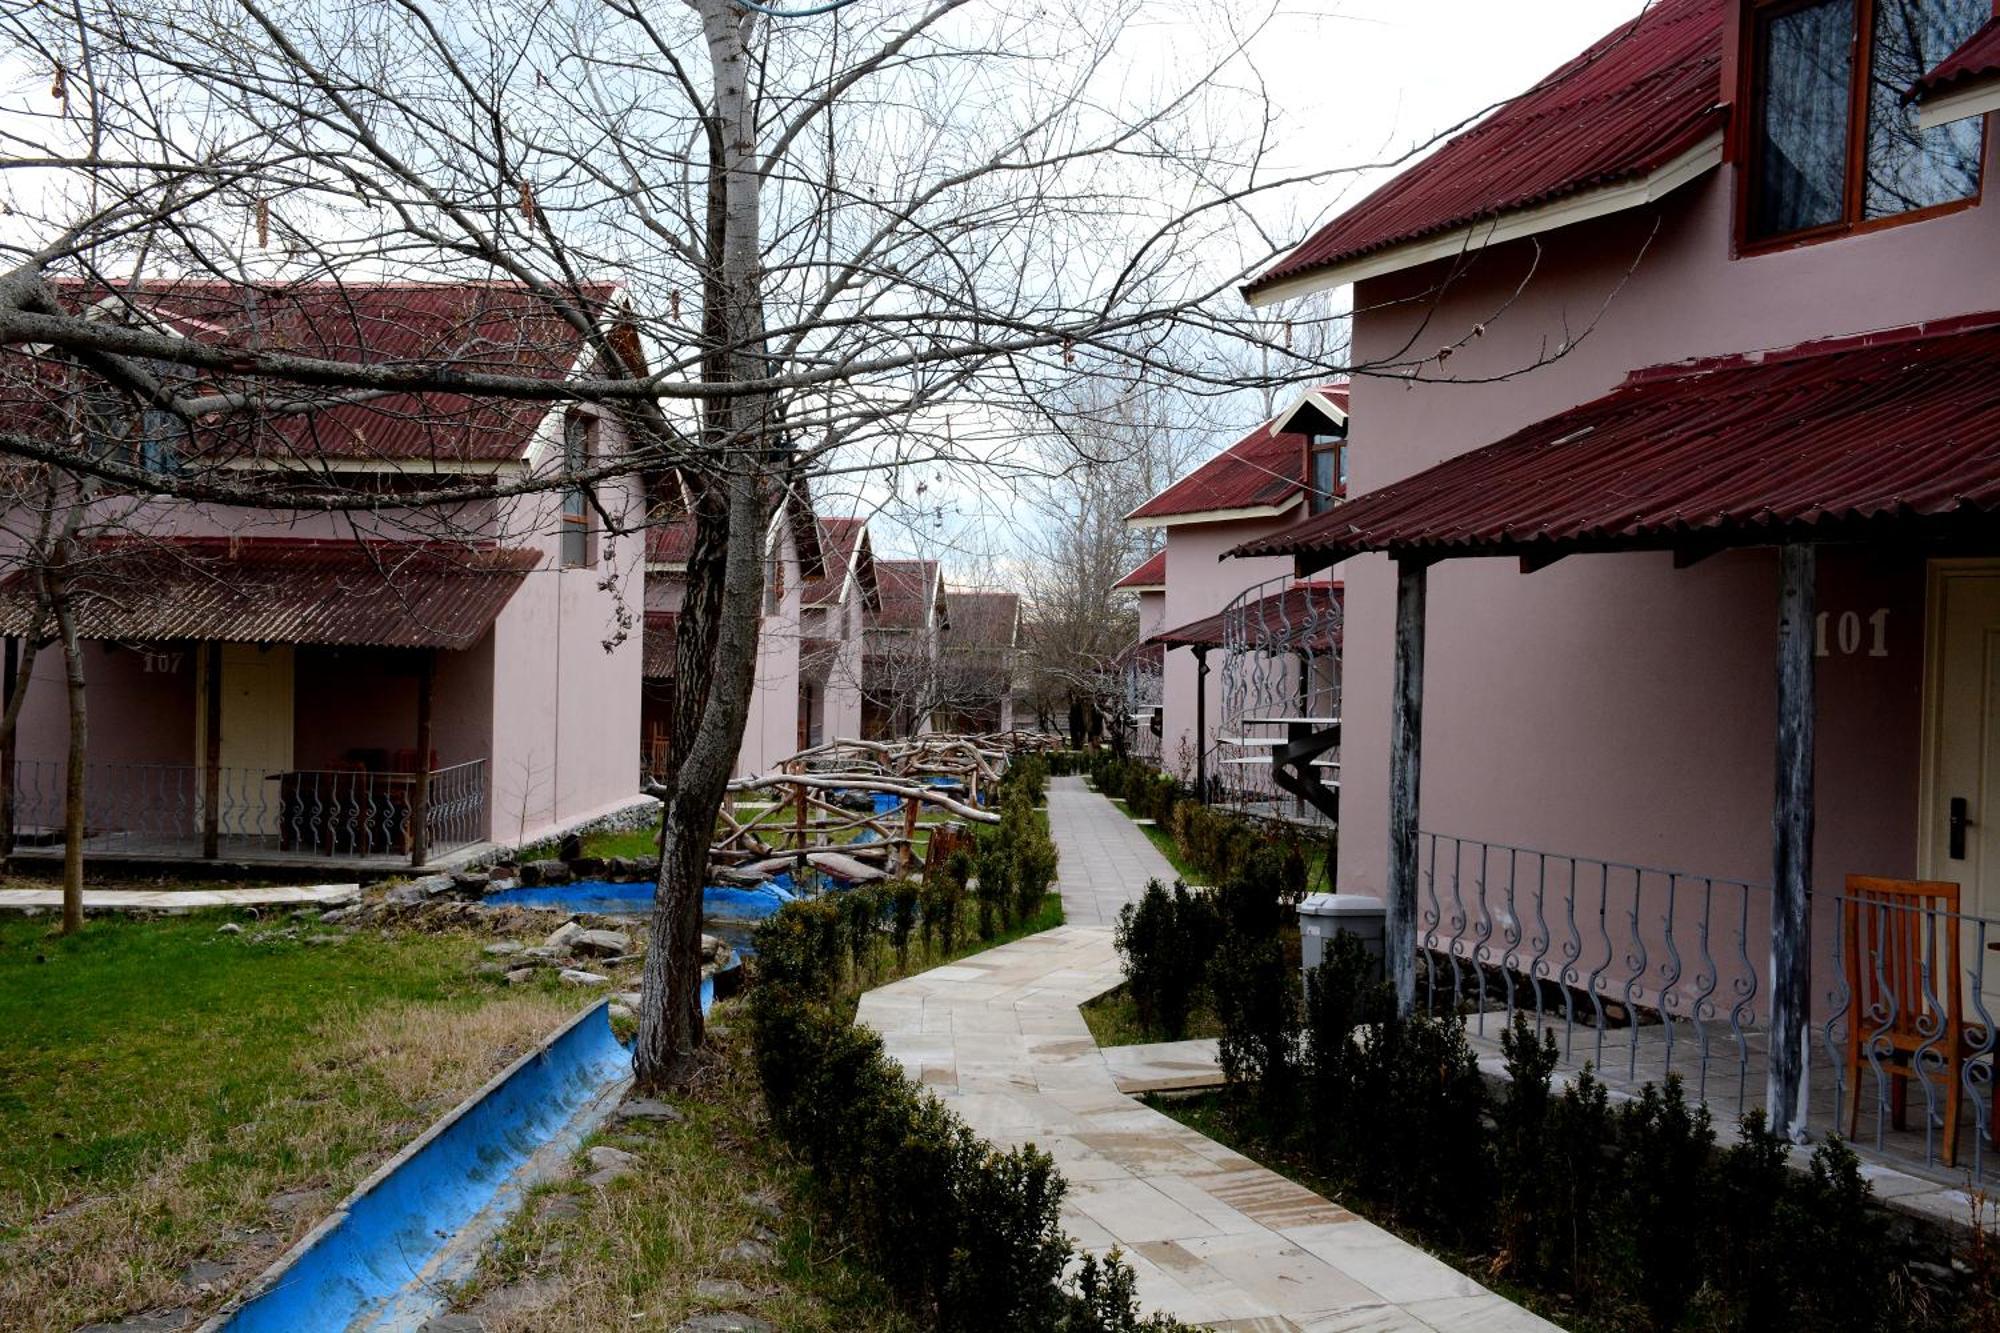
966	1237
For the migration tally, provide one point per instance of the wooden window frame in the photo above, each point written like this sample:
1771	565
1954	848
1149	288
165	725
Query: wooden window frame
1316	503
1750	94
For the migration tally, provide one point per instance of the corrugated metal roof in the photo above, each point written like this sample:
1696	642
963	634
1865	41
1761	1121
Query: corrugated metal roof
1305	615
670	542
661	643
983	620
491	326
283	590
1843	438
907	588
1152	574
1978	59
1633	102
1259	471
838	538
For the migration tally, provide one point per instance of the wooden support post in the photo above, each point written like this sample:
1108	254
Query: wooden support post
211	757
420	793
11	683
911	806
1406	739
1785	1087
1201	722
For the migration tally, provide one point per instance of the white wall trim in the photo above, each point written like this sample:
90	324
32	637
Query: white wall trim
414	467
1697	161
1959	104
1216	515
1315	399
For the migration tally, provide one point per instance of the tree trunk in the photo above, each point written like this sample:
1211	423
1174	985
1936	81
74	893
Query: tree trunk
73	776
716	661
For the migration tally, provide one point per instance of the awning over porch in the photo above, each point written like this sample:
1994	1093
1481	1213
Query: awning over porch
282	590
662	642
1895	433
1304	616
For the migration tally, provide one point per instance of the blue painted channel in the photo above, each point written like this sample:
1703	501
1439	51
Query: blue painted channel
370	1250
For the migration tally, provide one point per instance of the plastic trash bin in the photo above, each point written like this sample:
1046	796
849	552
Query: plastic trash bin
1324	915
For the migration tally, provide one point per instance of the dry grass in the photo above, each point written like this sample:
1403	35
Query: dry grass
631	1255
364	1081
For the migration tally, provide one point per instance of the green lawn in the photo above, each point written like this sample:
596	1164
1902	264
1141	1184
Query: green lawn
1114	1021
161	1083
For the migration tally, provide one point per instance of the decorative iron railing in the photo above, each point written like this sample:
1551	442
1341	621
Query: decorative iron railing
1644	972
1279	684
162	809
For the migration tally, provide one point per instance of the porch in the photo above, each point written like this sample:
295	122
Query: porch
270	702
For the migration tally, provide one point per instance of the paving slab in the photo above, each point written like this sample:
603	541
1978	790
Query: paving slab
1212	1237
156	900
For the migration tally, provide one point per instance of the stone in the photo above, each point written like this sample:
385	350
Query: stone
646	867
602	1157
501	949
432	886
630	997
723	1291
620	1012
470	883
649	1108
403	894
229	928
563	936
339	914
523	1297
571	847
601	943
491	969
712	945
537	873
726	1321
520	976
576	976
586	867
751	1254
558	1207
203	1274
764	1203
292	1201
542	953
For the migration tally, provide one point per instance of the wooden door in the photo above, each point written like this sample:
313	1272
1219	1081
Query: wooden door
257	731
1960	840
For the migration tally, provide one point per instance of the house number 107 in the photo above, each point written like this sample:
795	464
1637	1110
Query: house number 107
1847	634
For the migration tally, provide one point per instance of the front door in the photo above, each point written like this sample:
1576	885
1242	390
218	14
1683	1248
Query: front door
1961	807
257	728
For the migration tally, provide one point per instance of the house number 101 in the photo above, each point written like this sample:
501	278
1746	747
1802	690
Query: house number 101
1847	633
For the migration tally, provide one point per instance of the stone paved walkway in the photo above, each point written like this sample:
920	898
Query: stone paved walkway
1214	1238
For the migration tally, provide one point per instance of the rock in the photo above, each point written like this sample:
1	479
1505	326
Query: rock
571	846
601	943
710	944
501	949
726	1321
765	1204
620	1011
723	1291
649	1108
339	914
586	867
646	867
203	1274
491	969
229	928
630	997
523	1297
537	873
520	976
322	937
292	1201
576	976
470	883
603	1159
751	1254
403	894
558	1207
542	953
563	936
432	886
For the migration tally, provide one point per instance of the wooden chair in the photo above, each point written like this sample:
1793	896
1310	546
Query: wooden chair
1894	929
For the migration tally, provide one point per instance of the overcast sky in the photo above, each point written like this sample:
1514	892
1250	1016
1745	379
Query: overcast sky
1356	81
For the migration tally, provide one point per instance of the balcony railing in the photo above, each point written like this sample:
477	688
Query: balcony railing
1643	972
162	809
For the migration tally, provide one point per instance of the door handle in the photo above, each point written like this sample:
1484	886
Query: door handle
1958	824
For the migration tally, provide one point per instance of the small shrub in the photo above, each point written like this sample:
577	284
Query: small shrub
1342	996
994	875
1839	1246
1666	1149
799	948
1166	941
1524	1149
944	899
903	919
1257	1004
861	924
1581	1229
1035	865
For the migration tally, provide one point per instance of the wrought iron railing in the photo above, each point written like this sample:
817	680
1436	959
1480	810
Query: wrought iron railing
1279	683
163	809
1643	972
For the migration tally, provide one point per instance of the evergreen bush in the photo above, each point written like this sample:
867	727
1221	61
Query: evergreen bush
1167	940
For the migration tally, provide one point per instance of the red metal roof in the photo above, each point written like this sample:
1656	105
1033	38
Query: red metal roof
283	590
987	621
490	326
1637	99
1305	615
671	542
1152	574
661	643
1848	437
1259	471
907	587
1979	58
838	538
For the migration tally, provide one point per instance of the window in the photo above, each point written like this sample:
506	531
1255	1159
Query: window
1328	455
117	428
1835	140
576	499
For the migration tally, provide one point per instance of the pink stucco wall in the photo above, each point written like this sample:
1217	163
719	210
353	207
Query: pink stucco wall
1611	705
1152	614
772	732
841	701
1201	583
